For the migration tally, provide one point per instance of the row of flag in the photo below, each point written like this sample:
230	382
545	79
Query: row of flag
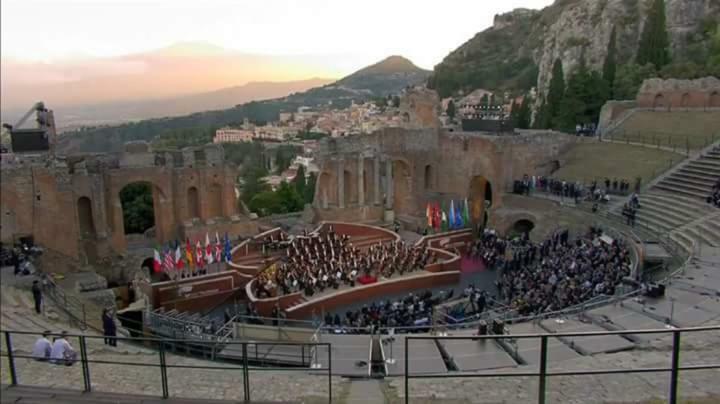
175	259
440	219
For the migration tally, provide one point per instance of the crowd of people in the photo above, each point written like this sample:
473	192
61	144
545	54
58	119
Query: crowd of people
558	273
414	312
714	197
573	189
328	260
58	352
629	210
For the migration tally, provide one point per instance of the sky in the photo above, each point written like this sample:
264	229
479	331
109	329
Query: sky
344	34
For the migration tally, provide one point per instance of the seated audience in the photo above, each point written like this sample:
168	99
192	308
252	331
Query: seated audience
62	352
42	348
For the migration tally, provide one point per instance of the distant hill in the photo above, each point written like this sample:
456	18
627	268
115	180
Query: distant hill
388	76
119	112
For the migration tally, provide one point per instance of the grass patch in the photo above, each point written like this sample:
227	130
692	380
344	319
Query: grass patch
586	162
682	130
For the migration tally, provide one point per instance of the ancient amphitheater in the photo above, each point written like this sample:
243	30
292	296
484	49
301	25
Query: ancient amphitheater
631	346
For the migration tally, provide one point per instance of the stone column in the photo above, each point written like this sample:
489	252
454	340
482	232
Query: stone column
376	180
340	183
389	183
361	180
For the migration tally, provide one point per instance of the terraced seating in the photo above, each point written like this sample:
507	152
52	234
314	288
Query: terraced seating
676	205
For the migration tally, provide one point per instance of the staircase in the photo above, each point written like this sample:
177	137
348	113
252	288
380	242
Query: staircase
676	203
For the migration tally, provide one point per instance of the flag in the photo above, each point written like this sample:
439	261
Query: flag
157	261
438	216
429	215
458	217
169	261
228	249
179	259
189	254
199	261
218	249
466	213
451	216
208	250
444	223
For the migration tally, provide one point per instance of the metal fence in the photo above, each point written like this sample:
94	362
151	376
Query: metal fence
542	374
85	360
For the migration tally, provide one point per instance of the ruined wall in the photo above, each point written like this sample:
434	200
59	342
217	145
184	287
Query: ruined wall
72	205
421	166
678	94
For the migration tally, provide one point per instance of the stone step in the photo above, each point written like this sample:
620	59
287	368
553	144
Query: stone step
664	219
698	235
672	199
705	180
681	212
682	192
697	171
712	235
683	240
685	185
705	166
703	183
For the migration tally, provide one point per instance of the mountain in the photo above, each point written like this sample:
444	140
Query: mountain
389	76
178	71
519	50
381	79
118	112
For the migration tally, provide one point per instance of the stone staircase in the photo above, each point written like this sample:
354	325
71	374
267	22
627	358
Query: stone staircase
18	314
675	205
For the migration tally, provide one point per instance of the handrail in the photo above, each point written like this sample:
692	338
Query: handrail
542	373
163	365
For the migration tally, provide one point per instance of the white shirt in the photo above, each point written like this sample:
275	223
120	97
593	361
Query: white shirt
42	349
59	348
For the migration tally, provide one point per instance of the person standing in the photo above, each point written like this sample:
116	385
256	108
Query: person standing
109	328
37	296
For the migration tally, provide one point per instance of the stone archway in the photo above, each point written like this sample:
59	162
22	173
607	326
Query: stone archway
480	197
659	101
214	201
140	220
350	188
685	100
428	177
522	226
326	193
402	187
714	101
193	203
85	218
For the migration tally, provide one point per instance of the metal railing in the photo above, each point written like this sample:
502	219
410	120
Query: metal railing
85	360
542	374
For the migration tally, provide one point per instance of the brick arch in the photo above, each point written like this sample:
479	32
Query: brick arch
714	100
685	100
659	101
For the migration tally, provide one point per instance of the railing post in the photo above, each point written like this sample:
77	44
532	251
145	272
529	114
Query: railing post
163	372
407	373
673	399
330	373
84	363
543	369
11	359
246	377
84	316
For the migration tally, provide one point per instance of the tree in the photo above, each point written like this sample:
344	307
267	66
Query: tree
556	93
629	78
299	181
542	120
137	207
524	113
654	43
253	184
290	199
451	109
610	65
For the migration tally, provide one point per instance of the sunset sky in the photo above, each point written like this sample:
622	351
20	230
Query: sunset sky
344	34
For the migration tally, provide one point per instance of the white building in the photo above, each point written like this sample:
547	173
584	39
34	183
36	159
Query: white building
231	135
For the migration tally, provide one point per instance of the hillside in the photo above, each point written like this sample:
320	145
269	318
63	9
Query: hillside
518	51
386	77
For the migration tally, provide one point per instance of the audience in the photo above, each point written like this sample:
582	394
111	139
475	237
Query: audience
62	352
572	189
42	348
559	273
